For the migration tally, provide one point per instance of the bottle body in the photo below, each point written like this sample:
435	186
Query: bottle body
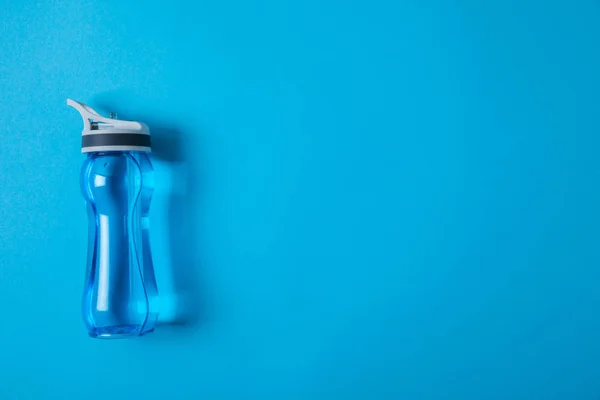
120	292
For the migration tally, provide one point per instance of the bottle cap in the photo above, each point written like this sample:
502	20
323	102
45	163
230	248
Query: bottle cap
110	134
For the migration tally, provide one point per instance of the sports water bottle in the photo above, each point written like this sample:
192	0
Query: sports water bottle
120	293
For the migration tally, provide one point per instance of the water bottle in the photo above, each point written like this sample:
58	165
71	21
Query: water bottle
120	292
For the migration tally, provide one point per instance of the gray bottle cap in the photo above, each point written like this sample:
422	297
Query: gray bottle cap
108	134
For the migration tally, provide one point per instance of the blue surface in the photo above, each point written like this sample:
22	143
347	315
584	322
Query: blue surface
386	200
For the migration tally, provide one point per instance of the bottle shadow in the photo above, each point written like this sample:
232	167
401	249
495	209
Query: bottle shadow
186	307
181	296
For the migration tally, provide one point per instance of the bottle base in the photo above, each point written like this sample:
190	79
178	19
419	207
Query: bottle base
117	332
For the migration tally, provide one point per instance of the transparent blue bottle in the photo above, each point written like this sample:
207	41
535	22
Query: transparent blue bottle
117	182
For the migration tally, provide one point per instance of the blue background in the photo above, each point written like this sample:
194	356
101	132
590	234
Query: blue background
361	199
